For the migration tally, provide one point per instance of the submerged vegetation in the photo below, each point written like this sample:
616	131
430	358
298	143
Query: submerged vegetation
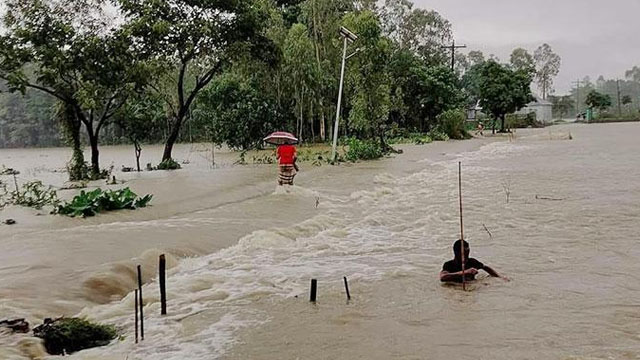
68	335
96	201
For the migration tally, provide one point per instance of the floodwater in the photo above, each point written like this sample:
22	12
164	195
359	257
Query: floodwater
557	216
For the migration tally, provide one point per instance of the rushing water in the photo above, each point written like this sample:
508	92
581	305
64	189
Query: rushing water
567	237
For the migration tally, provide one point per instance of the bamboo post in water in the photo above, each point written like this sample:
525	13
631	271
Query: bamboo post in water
464	281
136	306
141	303
346	288
163	290
314	290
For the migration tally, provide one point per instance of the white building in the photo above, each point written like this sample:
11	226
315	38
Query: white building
542	108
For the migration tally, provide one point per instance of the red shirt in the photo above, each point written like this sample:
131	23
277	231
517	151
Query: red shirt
286	153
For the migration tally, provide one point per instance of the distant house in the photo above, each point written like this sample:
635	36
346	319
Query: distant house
542	109
473	111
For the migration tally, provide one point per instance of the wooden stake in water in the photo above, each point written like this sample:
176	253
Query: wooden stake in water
464	281
314	290
163	289
136	306
141	303
346	288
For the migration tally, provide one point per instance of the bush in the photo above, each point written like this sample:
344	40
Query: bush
68	335
92	202
169	164
363	150
437	135
452	123
516	121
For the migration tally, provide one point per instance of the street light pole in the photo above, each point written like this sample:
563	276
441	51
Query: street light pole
335	126
348	37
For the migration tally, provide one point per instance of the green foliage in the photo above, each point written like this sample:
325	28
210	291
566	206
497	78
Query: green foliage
363	150
503	90
597	100
523	120
370	102
236	113
438	135
96	201
452	123
68	335
168	164
626	100
33	194
523	61
195	41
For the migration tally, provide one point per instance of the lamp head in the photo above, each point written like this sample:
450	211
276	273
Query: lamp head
348	34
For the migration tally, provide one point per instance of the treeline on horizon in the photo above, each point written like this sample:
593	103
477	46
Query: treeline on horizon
75	73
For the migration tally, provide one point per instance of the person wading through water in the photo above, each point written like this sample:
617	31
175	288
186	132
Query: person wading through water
287	168
452	269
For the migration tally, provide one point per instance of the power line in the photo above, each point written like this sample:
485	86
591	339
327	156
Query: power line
453	48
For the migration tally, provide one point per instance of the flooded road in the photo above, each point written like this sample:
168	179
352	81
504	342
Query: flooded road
567	236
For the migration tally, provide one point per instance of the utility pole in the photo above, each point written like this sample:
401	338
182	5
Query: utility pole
453	48
577	83
619	103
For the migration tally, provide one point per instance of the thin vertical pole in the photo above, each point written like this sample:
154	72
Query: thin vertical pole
619	102
346	288
163	289
335	127
136	306
453	55
314	290
464	281
141	303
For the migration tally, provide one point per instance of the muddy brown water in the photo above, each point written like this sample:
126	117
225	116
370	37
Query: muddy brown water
568	238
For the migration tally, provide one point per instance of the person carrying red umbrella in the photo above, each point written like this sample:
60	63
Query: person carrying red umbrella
286	155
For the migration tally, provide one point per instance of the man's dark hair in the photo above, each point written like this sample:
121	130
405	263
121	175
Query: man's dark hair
456	246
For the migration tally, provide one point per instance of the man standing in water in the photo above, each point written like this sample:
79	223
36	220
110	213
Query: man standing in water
287	169
452	269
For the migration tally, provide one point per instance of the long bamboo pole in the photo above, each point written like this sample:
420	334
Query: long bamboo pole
464	281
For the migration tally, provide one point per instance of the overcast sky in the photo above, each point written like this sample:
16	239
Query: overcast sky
593	37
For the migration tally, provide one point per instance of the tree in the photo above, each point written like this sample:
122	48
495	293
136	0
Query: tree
522	60
87	65
626	100
475	57
633	74
597	100
422	31
562	105
236	113
547	68
503	90
371	100
138	118
300	69
194	41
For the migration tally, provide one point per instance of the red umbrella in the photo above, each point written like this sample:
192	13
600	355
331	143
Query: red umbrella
281	138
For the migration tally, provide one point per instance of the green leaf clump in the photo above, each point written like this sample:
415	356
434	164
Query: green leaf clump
169	164
96	201
363	150
68	335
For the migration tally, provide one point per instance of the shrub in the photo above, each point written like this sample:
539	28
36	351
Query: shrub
169	164
68	335
437	135
452	123
363	150
92	202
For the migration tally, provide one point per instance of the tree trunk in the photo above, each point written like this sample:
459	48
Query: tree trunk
138	150
95	154
173	136
502	128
